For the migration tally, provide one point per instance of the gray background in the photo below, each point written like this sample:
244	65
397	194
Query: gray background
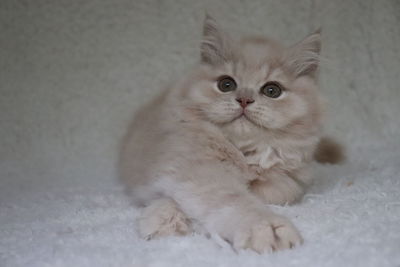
73	72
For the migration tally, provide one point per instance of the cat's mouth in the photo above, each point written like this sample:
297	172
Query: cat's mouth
242	116
246	116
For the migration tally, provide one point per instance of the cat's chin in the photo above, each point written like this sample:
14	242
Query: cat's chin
246	119
243	120
239	128
254	121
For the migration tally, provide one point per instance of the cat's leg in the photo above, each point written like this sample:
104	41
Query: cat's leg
216	197
278	187
162	217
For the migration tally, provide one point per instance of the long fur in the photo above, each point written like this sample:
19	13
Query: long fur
194	156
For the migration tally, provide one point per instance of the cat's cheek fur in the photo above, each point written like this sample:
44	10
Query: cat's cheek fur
222	111
280	113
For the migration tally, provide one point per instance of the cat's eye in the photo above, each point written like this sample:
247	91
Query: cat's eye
226	84
271	89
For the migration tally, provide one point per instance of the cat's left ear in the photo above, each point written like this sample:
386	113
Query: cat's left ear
215	44
303	58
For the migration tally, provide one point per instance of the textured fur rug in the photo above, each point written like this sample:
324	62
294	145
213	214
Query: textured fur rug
350	218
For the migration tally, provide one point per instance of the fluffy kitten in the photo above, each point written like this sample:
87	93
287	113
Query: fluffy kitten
237	133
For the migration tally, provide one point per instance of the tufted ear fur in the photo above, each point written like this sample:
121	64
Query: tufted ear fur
303	58
216	45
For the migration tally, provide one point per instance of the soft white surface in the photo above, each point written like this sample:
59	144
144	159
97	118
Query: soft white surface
72	73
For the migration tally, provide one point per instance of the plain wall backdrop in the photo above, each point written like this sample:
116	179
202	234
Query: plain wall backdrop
73	72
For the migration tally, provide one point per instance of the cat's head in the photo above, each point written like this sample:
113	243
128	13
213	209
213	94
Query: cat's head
255	81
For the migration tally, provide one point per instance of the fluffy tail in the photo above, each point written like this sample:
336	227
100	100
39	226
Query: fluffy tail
329	151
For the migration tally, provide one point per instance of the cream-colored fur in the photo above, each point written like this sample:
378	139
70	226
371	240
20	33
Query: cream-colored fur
194	154
162	217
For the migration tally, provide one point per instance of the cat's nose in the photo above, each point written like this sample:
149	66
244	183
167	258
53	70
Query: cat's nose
244	101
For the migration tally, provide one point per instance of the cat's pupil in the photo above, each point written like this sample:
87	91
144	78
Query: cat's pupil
226	84
271	90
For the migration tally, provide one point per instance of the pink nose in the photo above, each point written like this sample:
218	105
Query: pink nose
244	101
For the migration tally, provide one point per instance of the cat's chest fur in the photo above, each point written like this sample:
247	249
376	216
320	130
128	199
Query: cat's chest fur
255	150
260	149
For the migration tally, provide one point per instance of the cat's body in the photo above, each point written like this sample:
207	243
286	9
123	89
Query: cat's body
214	149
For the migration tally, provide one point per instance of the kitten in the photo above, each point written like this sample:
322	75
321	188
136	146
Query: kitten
235	134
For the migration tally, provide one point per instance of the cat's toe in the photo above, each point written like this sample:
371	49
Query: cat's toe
268	236
163	218
258	237
287	236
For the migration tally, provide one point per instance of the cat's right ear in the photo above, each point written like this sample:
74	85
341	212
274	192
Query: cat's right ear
304	57
215	44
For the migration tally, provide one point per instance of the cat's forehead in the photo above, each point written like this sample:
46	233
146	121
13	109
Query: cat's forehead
256	59
257	51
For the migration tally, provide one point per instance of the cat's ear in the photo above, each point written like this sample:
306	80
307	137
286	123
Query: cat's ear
303	58
215	44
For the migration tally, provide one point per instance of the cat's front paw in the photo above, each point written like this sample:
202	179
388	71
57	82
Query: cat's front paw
270	234
162	218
